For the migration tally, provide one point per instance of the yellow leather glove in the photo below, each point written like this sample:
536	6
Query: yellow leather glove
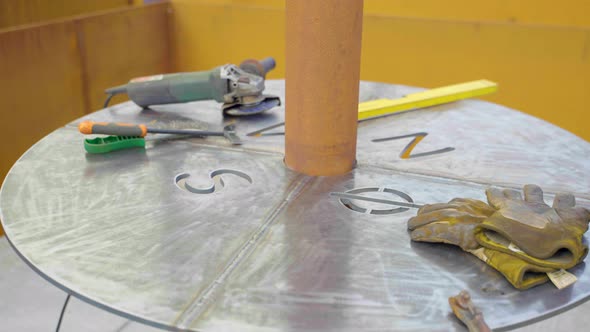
529	229
455	222
520	273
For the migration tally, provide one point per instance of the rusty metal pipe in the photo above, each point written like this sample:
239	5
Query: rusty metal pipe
323	54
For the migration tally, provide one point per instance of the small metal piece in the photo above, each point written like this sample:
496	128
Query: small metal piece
468	313
229	132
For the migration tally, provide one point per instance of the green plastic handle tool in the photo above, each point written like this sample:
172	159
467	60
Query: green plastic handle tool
112	143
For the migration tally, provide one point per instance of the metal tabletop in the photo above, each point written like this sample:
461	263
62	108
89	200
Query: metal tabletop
196	234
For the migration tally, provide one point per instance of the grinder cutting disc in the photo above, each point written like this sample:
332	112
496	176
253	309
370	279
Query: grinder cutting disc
238	109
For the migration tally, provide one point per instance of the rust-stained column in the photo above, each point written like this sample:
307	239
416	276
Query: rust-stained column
323	51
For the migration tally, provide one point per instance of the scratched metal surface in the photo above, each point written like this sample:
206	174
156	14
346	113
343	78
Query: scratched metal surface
117	230
492	143
324	267
269	250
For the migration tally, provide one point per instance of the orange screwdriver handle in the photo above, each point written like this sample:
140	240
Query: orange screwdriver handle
112	128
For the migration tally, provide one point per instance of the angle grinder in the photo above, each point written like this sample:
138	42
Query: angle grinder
240	89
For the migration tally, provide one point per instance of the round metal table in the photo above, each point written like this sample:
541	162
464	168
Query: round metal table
196	234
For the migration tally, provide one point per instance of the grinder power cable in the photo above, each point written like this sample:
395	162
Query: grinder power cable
240	89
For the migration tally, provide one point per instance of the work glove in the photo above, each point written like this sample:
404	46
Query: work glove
529	229
455	223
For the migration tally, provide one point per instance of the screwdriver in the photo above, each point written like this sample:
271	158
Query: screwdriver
140	130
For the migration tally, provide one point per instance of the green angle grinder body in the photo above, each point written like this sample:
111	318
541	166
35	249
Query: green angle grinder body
240	89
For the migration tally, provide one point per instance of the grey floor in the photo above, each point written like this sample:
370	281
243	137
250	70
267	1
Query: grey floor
29	303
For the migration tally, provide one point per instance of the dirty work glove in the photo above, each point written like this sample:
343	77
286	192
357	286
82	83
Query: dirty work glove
520	273
455	222
531	230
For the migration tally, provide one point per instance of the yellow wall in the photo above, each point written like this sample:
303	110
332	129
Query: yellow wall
550	12
543	66
565	12
18	12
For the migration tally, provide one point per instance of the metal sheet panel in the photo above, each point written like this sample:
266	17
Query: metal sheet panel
117	229
249	245
326	267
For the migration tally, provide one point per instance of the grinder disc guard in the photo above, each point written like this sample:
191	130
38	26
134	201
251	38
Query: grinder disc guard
237	109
